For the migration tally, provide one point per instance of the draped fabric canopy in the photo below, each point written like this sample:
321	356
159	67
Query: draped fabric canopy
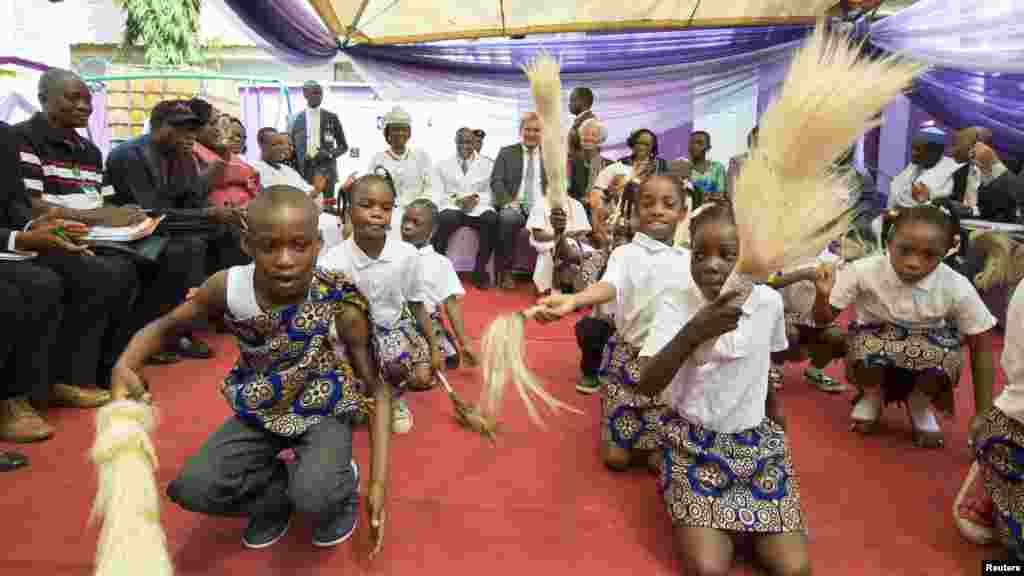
977	47
416	21
641	79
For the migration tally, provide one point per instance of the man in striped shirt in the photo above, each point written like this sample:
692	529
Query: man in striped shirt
59	173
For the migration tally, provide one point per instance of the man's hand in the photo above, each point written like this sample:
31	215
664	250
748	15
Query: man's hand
125	384
320	183
716	319
49	234
985	157
558	220
555	307
225	215
117	216
375	508
920	192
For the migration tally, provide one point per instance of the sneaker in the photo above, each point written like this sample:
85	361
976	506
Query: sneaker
401	417
776	378
822	382
337	528
588	384
264	532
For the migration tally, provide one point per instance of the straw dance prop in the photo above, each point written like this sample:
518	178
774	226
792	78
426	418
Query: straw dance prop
790	199
970	530
1003	258
502	346
468	416
132	542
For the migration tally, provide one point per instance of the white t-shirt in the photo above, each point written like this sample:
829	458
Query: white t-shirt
451	184
728	393
283	175
388	282
938	179
1011	399
440	281
641	272
880	297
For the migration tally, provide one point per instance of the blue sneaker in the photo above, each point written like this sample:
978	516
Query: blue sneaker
333	530
264	532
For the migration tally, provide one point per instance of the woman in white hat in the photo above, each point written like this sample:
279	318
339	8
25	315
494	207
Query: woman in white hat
410	168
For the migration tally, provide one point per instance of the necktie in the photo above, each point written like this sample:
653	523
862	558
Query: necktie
465	166
528	189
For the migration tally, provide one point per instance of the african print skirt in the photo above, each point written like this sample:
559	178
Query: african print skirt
590	269
933	351
399	349
444	338
742	482
1000	452
630	419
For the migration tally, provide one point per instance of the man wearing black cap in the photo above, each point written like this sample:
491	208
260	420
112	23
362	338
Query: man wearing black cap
157	172
318	139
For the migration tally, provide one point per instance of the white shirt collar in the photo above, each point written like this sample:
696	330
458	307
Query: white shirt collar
922	285
361	260
427	248
648	243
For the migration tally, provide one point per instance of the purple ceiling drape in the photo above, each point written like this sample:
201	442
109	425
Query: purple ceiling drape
287	29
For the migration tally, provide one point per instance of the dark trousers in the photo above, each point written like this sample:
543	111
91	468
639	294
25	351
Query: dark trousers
30	308
485	224
164	284
237	472
225	251
511	220
592	335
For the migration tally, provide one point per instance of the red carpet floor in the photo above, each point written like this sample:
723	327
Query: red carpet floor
540	502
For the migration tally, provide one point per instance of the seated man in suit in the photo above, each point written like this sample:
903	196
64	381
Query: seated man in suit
984	185
517	181
49	170
157	172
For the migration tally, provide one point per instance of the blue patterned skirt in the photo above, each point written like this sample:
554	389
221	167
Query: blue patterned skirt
399	349
742	482
934	350
630	419
1000	453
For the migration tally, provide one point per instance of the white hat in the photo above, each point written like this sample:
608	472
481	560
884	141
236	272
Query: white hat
397	116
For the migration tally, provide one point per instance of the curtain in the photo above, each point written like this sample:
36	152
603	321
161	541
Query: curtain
288	29
639	80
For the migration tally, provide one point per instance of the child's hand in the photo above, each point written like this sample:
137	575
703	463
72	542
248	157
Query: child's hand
974	427
825	279
718	318
554	307
375	507
920	192
436	359
558	220
125	384
469	357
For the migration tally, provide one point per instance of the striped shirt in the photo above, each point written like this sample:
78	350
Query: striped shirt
61	166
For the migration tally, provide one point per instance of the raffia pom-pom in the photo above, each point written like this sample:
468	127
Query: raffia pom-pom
131	540
743	284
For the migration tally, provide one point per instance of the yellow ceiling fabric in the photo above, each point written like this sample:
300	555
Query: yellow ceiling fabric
410	21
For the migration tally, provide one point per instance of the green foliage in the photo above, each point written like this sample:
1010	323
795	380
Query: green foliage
167	30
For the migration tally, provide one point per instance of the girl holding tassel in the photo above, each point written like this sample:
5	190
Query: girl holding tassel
911	312
727	470
388	271
638	274
304	336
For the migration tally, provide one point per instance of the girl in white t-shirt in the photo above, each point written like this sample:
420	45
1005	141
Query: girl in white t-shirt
387	271
544	227
727	469
912	310
442	288
637	276
998	438
822	343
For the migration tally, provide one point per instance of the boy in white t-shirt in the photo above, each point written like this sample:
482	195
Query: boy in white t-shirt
545	225
441	285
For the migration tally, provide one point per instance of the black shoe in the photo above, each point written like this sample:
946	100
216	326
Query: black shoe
263	532
191	348
482	280
338	527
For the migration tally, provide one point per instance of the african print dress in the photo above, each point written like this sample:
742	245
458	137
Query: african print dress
999	449
630	419
400	348
292	372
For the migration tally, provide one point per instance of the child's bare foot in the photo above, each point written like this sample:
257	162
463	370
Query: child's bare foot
926	431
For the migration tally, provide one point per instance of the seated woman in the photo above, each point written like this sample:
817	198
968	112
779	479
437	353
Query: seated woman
231	181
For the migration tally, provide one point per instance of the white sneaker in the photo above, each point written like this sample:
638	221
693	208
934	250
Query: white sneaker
401	417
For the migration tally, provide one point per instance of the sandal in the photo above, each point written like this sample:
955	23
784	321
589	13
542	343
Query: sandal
776	378
822	382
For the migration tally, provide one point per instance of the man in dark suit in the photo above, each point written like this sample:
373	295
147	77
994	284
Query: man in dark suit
157	172
318	139
984	185
517	182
